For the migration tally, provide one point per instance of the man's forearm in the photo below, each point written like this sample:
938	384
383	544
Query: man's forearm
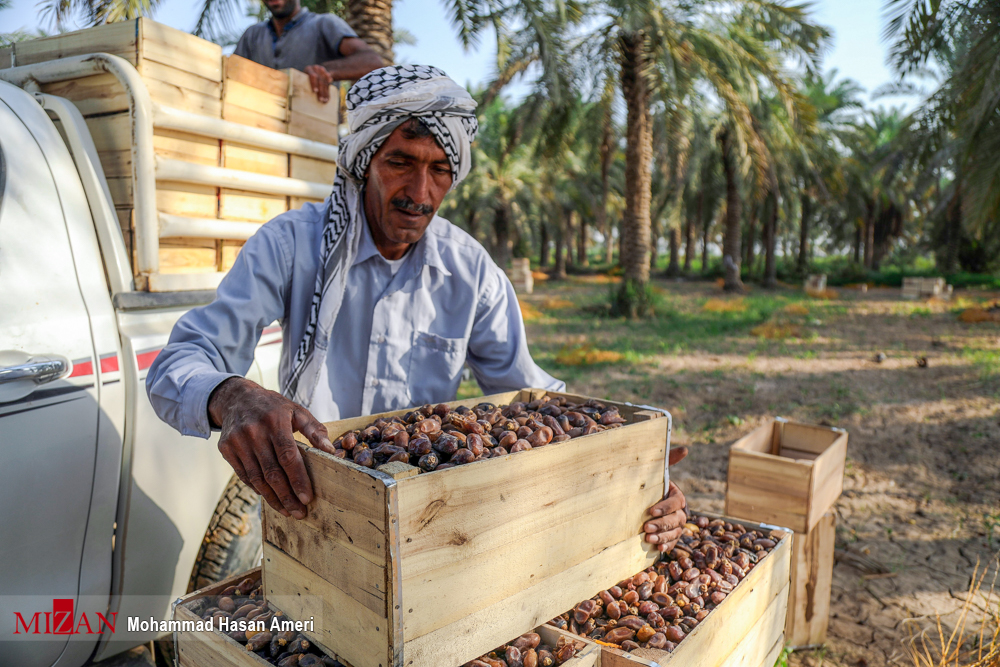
354	66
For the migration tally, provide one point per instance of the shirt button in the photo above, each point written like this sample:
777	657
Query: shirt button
374	382
380	340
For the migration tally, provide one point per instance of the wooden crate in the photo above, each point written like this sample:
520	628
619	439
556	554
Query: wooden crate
811	584
438	568
746	630
786	473
204	648
200	648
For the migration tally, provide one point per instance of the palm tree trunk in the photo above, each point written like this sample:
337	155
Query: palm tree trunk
751	238
372	20
870	235
770	241
561	233
501	227
543	246
674	268
731	242
706	226
602	220
947	259
689	242
638	176
857	243
654	243
581	243
804	235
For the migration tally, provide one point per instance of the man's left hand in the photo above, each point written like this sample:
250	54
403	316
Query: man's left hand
668	515
320	79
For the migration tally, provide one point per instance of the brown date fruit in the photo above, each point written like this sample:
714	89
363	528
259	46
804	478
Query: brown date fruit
662	599
528	640
428	462
630	597
584	611
259	641
616	592
243	611
524	432
648	607
545	658
474	443
419	446
541	437
658	640
520	446
507	439
349	441
499	451
561	438
227	604
645	590
644	633
513	657
629	645
340	453
633	622
717	597
673	633
402	457
606	598
613	611
401	439
462	456
365	458
530	658
618	635
290	660
446	444
675	570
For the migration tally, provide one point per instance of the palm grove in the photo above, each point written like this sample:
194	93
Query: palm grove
710	123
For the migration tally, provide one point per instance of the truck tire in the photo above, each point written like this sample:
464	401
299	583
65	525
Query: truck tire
232	543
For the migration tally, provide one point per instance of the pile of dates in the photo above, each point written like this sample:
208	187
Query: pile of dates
528	651
246	601
658	607
437	437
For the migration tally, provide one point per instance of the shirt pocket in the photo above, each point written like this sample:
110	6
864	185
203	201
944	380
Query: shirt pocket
435	367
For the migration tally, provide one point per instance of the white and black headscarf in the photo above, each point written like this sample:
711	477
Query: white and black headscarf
377	104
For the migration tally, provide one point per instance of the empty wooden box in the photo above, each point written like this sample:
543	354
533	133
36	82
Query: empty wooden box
787	474
438	568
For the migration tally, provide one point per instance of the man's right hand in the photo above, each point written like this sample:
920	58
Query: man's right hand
320	80
257	441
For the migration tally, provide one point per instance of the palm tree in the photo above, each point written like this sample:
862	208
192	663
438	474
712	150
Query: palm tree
372	20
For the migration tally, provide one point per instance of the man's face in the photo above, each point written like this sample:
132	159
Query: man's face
282	8
406	182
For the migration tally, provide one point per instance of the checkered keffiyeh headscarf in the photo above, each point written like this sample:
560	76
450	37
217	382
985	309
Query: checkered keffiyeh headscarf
377	104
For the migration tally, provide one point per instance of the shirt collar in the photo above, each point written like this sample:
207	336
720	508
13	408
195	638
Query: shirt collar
291	24
427	247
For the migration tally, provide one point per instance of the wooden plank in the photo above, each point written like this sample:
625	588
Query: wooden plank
769	472
197	201
246	71
758	643
768	506
596	493
311	169
491	626
187	255
303	100
230	250
97	94
121	191
152	70
111	133
588	656
757	440
828	479
118	39
295	203
261	101
250	206
256	160
243	116
344	568
343	625
116	164
6	57
179	49
811	583
187	147
184	99
807	438
307	127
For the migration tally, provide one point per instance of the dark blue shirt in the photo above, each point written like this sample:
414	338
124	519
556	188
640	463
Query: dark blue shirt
308	39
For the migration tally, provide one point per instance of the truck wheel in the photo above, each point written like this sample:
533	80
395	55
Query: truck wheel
232	543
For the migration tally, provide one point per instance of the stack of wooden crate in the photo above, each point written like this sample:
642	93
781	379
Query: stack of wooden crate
190	74
791	474
520	275
923	288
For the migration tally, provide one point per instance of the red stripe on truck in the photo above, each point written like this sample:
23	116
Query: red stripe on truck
145	359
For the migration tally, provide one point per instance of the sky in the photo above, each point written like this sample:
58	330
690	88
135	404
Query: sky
858	51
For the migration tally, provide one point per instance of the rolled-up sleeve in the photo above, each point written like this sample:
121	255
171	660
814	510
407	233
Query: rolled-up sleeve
498	347
214	342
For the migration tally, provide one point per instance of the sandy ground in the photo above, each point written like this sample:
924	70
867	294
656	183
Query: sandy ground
922	489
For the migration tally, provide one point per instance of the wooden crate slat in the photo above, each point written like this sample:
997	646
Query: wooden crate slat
116	164
811	583
96	94
311	169
295	203
301	594
487	628
184	99
245	96
256	160
176	48
111	133
230	250
256	75
6	57
237	114
187	255
187	147
307	127
303	100
250	206
342	567
808	438
440	540
771	473
153	70
119	39
196	201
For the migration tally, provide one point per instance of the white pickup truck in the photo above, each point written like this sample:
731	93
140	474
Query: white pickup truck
101	503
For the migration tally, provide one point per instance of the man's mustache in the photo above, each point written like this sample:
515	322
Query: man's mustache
409	206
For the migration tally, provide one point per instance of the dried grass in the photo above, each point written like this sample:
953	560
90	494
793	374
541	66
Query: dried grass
737	305
776	331
968	644
585	355
973	315
795	309
539	276
529	312
825	294
555	303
